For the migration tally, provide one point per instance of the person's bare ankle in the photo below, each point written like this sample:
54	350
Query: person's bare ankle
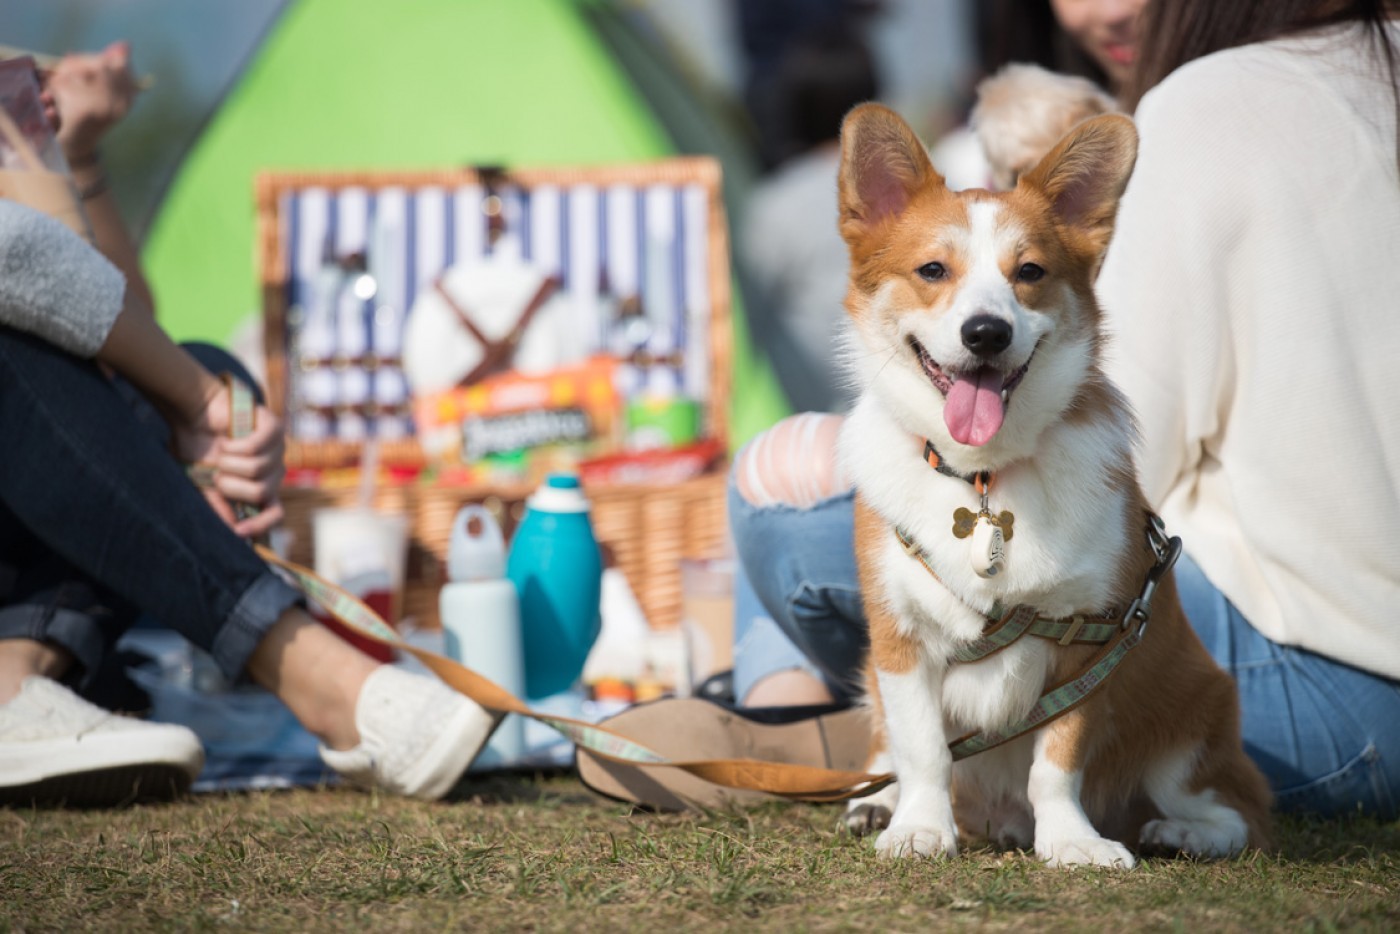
20	658
314	672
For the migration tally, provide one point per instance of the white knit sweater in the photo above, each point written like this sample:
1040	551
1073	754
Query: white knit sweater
53	284
1253	288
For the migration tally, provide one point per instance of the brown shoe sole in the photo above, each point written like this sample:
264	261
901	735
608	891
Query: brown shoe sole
101	788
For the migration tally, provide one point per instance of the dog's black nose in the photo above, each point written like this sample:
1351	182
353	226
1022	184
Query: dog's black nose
985	335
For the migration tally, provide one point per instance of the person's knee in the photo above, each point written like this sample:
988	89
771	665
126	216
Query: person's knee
794	463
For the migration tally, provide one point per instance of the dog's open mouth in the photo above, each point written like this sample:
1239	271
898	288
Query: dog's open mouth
976	399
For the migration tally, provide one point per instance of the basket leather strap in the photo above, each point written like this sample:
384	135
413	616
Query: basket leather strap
497	353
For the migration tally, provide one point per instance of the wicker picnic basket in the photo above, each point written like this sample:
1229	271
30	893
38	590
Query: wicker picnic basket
648	528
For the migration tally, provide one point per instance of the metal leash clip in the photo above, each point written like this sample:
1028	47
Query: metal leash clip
1166	550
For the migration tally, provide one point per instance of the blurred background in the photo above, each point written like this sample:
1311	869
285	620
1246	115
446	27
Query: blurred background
246	85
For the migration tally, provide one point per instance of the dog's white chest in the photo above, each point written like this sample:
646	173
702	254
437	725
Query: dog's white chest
997	691
987	694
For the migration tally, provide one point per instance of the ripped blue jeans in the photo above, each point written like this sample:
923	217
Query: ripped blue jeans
1325	734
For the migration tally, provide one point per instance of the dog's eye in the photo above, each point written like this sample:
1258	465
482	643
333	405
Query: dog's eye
1030	272
933	272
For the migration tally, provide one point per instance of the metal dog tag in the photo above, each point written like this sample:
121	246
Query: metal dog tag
988	548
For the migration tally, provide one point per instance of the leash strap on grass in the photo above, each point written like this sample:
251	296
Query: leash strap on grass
796	782
786	780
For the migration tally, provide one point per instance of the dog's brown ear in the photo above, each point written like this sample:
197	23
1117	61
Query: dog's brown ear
882	165
1086	172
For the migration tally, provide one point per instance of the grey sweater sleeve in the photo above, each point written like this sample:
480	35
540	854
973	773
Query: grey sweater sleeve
53	284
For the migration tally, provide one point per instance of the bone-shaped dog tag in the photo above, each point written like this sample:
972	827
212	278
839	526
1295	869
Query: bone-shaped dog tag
988	548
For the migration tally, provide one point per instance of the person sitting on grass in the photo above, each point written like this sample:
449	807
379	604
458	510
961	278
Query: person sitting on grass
99	522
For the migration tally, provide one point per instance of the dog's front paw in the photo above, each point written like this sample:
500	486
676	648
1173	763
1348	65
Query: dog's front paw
1205	838
1085	851
899	841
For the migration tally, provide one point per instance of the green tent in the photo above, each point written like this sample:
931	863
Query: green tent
357	84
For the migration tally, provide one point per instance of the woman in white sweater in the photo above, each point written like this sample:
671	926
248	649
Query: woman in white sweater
1251	287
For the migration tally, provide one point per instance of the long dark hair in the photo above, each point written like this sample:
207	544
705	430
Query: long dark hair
1174	32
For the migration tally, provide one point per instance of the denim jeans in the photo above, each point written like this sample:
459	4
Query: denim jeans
99	523
1326	735
761	647
799	565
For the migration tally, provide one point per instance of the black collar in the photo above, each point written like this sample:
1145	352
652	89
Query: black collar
980	480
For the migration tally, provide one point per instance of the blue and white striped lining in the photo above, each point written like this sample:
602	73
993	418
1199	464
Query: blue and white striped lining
653	241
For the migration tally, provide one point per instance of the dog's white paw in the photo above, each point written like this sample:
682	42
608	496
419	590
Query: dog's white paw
1085	851
1205	838
900	841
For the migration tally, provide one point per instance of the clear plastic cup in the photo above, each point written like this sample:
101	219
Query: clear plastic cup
365	551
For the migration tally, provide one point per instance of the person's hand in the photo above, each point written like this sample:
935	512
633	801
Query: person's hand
92	92
47	102
247	470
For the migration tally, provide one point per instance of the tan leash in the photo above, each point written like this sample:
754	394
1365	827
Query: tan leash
785	780
796	782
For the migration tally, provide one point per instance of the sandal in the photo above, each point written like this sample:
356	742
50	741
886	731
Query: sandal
686	728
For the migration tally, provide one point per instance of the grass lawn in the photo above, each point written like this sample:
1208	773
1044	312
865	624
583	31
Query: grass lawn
545	855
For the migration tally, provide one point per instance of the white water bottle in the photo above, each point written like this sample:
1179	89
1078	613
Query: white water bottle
480	612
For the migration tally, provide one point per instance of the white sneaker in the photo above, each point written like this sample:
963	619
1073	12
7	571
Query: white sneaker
417	735
56	748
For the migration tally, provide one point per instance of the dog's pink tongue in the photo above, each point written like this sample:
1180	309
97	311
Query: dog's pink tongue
973	410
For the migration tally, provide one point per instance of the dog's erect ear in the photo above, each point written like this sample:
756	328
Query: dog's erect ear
882	165
1086	172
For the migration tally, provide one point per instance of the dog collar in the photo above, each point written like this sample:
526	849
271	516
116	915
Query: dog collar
980	481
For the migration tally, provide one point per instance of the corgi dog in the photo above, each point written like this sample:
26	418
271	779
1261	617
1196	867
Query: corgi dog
994	475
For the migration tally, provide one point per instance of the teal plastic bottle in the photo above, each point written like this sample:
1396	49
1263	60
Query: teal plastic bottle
557	568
